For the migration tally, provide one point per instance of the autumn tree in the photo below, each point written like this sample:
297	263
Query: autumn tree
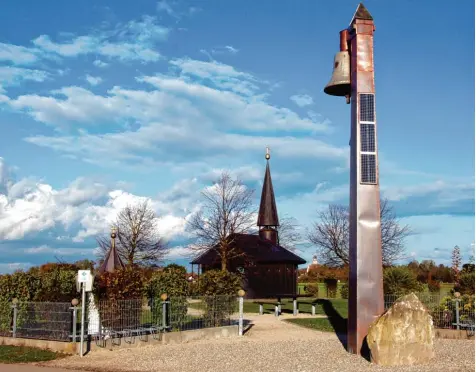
455	263
227	210
138	241
330	233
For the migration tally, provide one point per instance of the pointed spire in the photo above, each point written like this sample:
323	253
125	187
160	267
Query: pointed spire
362	13
268	213
112	261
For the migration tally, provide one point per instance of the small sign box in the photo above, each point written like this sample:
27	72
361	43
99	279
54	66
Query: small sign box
85	277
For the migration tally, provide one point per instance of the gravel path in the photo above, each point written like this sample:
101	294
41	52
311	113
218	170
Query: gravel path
270	345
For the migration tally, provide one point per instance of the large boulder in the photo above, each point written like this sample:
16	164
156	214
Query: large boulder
403	335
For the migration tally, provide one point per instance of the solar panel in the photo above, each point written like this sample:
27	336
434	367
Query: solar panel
368	168
367	107
367	137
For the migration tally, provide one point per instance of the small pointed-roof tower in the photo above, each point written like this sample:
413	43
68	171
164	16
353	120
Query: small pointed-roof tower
268	213
112	261
362	13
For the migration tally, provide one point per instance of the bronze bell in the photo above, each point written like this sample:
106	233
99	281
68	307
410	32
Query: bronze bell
340	80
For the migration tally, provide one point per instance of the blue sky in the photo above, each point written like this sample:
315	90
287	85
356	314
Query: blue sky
106	102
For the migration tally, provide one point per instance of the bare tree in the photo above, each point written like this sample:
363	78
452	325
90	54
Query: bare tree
138	241
288	233
331	235
227	210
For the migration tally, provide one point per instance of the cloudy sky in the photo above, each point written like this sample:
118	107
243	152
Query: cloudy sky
106	102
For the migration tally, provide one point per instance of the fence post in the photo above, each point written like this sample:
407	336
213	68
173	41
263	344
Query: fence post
163	297
75	303
241	294
457	313
295	309
15	315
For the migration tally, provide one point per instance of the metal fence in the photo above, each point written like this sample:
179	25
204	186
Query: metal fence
128	319
39	320
122	319
447	312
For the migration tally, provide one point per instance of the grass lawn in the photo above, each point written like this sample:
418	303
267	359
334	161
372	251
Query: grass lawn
23	354
323	306
322	289
336	324
337	307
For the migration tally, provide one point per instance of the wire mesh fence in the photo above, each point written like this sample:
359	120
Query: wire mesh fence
38	320
144	318
447	312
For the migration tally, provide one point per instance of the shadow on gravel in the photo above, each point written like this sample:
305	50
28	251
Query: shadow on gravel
337	321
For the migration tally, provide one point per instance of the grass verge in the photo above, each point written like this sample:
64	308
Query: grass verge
336	325
23	354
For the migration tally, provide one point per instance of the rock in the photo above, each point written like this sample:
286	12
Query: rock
403	335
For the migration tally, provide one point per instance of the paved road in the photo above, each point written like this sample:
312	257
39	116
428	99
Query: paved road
29	368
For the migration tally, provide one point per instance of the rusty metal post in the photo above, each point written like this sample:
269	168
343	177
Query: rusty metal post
365	250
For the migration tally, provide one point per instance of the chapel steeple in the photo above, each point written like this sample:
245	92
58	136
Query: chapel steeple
112	261
268	221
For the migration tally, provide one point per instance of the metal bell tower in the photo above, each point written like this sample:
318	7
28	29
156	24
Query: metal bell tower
356	83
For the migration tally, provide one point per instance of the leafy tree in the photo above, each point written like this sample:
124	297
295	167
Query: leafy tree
331	235
400	281
455	263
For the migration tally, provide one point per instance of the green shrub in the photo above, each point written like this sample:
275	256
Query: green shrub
173	282
434	286
120	295
344	291
220	290
58	283
331	286
312	289
400	281
466	283
218	282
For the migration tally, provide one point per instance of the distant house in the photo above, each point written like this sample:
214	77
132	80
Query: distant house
269	270
313	265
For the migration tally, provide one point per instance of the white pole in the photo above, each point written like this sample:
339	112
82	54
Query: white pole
240	320
83	310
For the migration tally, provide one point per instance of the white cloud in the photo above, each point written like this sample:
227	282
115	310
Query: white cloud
10	75
448	192
45	249
19	55
302	100
99	63
8	268
216	95
227	49
28	207
172	11
164	6
231	49
93	80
